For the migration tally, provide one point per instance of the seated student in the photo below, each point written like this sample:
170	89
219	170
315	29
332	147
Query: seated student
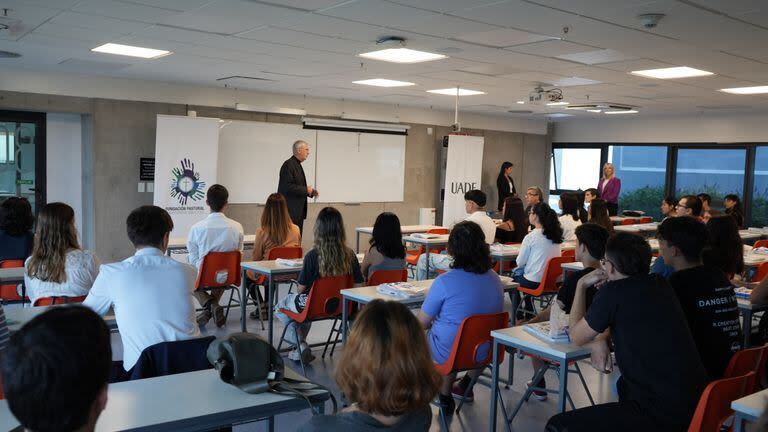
387	251
150	292
329	257
583	214
569	219
590	249
668	207
704	292
216	233
58	267
515	222
537	248
706	210
598	214
689	205
662	375
733	208
276	230
386	374
474	204
16	220
471	288
591	194
725	249
56	370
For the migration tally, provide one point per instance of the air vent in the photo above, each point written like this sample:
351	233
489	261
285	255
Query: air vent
9	54
241	78
520	112
601	106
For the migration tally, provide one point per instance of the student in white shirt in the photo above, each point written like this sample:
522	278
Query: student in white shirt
569	220
150	292
474	204
216	233
537	248
57	266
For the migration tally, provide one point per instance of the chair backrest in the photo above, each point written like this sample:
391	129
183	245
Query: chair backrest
285	252
627	222
219	270
8	291
441	231
760	243
748	360
715	402
169	358
646	219
761	273
568	253
473	345
324	299
384	276
50	301
551	276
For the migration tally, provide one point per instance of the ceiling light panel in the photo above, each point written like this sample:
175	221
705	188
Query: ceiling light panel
622	112
672	73
131	51
383	82
402	55
557	103
746	90
453	92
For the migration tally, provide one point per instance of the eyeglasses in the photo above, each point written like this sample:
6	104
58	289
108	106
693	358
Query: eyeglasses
531	194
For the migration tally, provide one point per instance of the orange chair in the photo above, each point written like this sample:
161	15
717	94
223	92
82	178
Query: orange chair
714	406
749	360
221	270
379	277
412	256
283	252
8	292
568	253
646	219
473	348
56	300
323	303
761	273
760	243
627	222
548	286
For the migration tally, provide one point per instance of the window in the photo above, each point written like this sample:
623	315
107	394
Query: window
642	171
760	191
7	147
574	168
717	172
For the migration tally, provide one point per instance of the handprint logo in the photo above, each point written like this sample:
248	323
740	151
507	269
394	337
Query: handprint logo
185	183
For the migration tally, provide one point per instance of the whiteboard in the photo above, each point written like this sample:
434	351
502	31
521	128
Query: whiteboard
251	154
355	167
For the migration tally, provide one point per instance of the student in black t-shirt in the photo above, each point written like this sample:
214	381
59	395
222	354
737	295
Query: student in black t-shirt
662	374
590	248
704	292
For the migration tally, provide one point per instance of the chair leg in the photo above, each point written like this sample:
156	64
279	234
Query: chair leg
536	377
298	348
466	392
282	338
229	303
336	340
330	335
584	383
443	419
258	304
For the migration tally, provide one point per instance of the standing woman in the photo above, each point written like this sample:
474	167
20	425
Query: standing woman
609	187
515	221
505	184
58	267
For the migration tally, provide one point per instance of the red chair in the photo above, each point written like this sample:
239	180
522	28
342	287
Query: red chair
8	292
57	300
627	221
548	286
412	256
379	277
323	303
749	360
568	253
473	348
714	407
646	219
761	273
283	252
221	270
760	243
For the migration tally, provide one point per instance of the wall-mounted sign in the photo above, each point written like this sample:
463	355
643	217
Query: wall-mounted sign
147	169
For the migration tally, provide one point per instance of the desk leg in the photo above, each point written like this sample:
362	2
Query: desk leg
494	386
270	309
563	386
357	248
343	320
746	327
271	424
515	297
243	302
427	260
738	422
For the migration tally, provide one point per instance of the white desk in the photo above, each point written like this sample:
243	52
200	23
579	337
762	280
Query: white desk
747	309
618	219
749	408
518	338
191	401
405	229
644	229
179	244
752	259
440	241
16	317
750	236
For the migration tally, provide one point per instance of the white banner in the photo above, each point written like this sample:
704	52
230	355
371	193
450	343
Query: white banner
186	153
463	172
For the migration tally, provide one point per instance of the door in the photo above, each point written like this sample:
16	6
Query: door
22	156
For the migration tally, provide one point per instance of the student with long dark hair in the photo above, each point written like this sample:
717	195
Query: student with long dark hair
569	219
598	214
725	249
16	220
668	207
734	209
505	184
583	214
515	222
470	288
387	251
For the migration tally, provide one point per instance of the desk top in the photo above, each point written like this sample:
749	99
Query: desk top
368	294
746	304
751	406
191	401
520	338
637	228
751	235
16	317
271	267
11	275
441	240
405	229
617	219
181	242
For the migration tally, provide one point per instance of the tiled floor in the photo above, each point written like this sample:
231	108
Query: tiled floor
474	416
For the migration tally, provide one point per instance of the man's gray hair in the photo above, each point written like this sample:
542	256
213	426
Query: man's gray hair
298	144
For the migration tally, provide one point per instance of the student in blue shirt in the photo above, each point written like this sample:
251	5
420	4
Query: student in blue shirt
470	288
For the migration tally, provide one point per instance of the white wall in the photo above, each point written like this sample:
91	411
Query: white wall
64	157
154	91
701	128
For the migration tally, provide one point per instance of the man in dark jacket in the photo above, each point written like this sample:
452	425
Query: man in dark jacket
293	184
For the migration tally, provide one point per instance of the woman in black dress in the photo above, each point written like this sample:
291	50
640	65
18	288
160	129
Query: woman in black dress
505	184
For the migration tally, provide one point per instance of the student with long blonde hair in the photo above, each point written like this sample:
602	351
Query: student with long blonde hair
609	188
58	266
329	257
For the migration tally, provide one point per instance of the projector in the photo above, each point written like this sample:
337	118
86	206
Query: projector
539	95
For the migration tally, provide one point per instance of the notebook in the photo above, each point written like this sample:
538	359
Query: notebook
543	331
428	235
742	292
296	262
403	290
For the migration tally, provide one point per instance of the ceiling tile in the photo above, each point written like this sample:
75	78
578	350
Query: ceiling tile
445	6
574	81
176	5
22	18
445	26
633	65
124	11
305	40
231	16
105	24
379	12
96	37
596	57
551	48
502	37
